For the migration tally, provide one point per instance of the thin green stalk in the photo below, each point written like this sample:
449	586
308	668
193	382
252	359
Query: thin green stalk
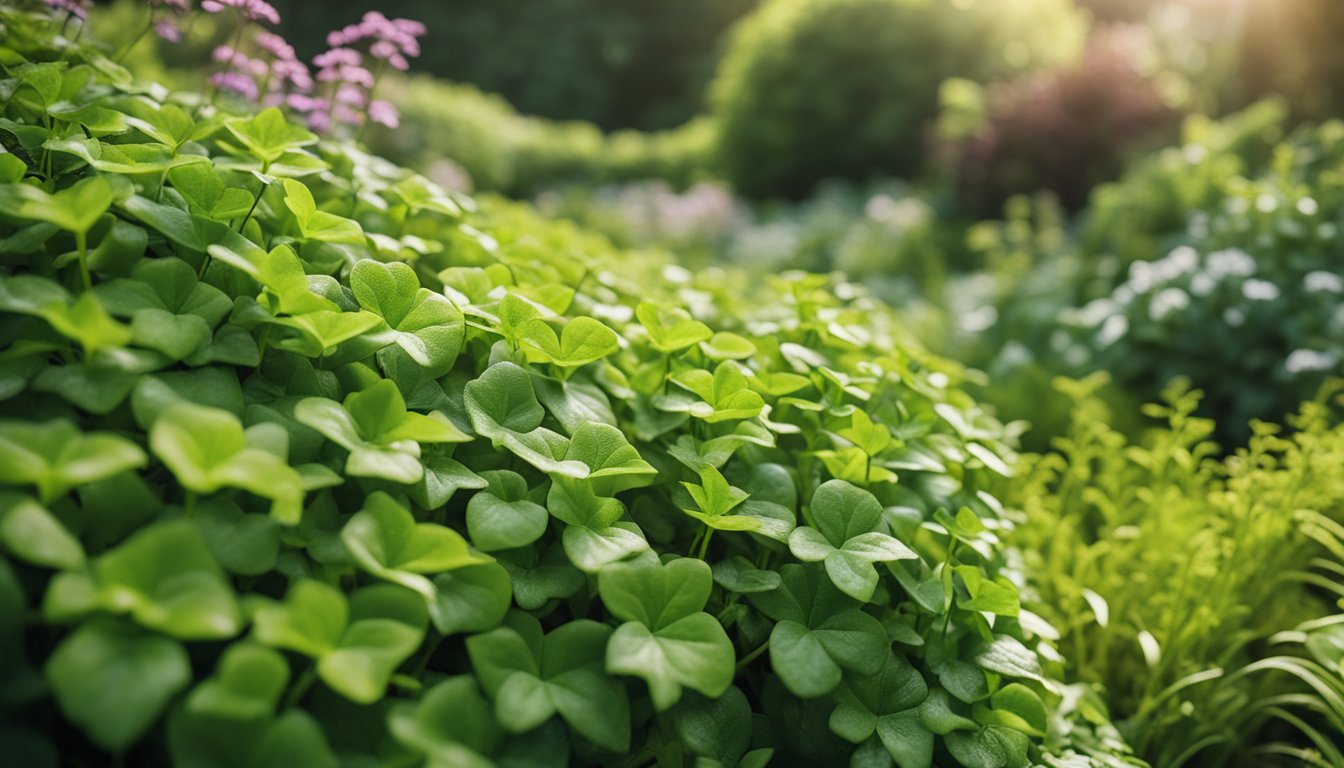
301	686
82	243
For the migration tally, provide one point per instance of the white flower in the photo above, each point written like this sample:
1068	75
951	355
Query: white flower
1260	290
1167	301
1306	360
1321	281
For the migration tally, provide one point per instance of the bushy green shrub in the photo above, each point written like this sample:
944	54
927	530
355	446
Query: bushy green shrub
817	89
1250	306
1066	129
305	462
503	151
638	65
1171	575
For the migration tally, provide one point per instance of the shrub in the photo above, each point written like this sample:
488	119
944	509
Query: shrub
1251	305
503	151
306	462
816	89
1175	578
1064	130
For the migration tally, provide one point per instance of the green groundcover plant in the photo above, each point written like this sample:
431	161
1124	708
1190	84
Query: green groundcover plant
305	462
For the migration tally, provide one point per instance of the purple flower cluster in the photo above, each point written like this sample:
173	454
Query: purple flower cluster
250	10
340	92
77	8
351	83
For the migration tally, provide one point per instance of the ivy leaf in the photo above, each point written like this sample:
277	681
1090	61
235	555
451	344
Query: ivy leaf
74	209
886	704
424	324
819	633
206	450
532	678
671	329
387	542
473	598
989	747
319	225
613	464
168	581
247	684
383	438
451	726
268	135
583	340
34	535
503	407
1014	706
114	681
86	322
666	639
54	456
844	539
725	392
594	536
355	658
503	517
172	312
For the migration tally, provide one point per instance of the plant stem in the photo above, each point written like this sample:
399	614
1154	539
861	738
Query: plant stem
136	40
704	543
750	657
301	687
82	243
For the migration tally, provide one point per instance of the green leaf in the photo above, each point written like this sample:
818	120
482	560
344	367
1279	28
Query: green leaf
497	519
368	654
311	619
727	346
387	542
319	225
74	209
268	135
424	324
532	678
671	330
844	539
1015	706
34	535
613	464
206	450
54	456
383	438
245	544
451	726
1007	655
85	321
247	684
583	340
820	632
472	599
991	747
886	704
667	640
114	682
356	659
166	578
726	392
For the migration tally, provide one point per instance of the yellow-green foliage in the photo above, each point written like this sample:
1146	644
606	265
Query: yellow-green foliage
1160	563
505	151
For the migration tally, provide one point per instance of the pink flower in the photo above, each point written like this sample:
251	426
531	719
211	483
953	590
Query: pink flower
77	8
252	10
235	82
274	45
168	30
352	95
384	113
338	57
